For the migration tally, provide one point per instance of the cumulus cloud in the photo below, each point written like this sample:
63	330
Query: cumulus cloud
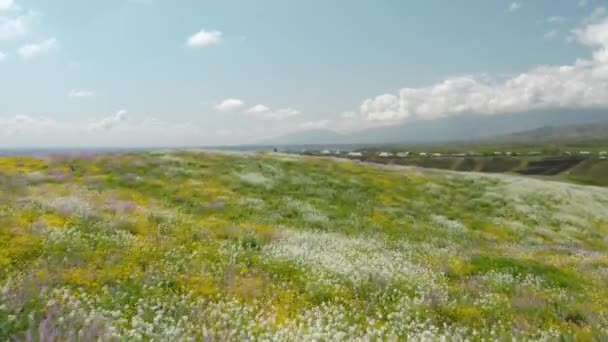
261	111
229	105
31	51
278	114
597	15
257	109
23	130
74	94
5	5
111	121
514	6
18	123
204	38
282	113
582	84
315	124
11	28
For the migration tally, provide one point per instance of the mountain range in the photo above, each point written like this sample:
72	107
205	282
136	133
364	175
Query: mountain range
465	127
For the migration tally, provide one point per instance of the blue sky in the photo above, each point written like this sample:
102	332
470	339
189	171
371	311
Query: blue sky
159	72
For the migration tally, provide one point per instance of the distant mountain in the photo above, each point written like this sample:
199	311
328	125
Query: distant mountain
457	128
308	137
595	131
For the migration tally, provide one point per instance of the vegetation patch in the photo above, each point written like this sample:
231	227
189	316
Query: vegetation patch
551	274
207	246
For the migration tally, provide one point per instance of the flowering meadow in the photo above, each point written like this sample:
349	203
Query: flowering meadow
192	245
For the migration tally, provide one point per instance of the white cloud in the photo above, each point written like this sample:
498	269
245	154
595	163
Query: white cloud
80	93
113	131
383	108
2	56
551	34
230	105
263	112
315	124
11	28
514	6
281	114
110	121
555	20
583	3
31	51
597	14
5	5
257	109
583	84
204	38
278	114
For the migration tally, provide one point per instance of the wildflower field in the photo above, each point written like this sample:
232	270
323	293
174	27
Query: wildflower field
173	246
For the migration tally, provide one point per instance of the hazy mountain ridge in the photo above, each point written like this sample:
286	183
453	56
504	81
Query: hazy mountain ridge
595	131
458	128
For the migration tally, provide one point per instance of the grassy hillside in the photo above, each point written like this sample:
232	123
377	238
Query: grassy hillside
594	172
591	171
239	247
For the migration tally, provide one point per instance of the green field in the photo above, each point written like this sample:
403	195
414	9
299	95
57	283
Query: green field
590	172
574	169
554	161
207	246
547	148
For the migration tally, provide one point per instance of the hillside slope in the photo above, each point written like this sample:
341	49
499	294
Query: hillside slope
577	169
273	247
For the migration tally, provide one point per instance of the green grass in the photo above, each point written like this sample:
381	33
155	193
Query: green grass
553	275
592	172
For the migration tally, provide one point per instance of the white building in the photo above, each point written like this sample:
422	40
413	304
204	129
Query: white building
355	154
385	154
